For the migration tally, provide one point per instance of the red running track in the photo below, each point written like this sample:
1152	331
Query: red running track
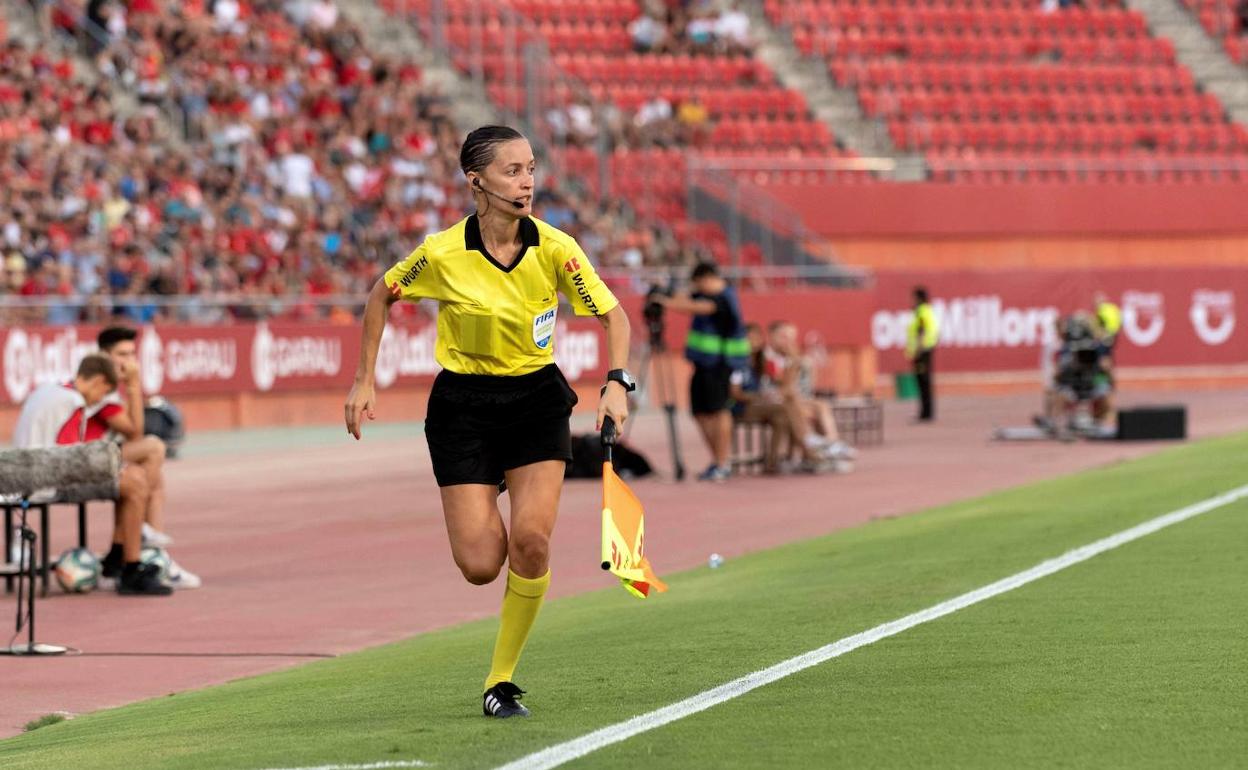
312	544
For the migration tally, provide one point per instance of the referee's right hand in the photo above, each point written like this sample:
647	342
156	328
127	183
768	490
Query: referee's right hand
359	403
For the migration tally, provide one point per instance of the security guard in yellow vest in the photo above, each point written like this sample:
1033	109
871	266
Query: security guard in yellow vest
921	338
1108	320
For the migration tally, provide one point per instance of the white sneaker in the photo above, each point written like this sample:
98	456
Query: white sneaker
815	442
179	579
155	538
839	450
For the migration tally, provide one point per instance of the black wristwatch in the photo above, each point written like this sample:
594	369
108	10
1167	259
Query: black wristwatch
624	378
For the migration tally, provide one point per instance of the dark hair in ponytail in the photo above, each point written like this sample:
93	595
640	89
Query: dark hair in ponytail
478	149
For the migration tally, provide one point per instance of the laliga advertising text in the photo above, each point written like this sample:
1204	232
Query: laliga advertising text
33	357
576	352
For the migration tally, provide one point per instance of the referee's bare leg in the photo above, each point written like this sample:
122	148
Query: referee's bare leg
474	526
534	491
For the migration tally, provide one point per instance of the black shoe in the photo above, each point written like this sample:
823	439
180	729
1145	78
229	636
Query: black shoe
502	701
112	563
111	569
143	581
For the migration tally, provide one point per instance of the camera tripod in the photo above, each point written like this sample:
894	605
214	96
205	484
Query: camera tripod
655	362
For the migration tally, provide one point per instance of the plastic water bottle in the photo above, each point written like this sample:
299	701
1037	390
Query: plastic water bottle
19	545
714	561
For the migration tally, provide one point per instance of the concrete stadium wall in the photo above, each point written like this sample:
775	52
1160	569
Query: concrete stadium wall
963	210
1035	252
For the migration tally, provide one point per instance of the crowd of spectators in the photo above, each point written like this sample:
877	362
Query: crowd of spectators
657	122
691	27
269	159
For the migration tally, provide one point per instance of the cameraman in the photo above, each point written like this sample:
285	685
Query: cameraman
1083	374
716	346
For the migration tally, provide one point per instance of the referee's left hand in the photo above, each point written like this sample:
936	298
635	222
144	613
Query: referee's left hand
359	403
613	403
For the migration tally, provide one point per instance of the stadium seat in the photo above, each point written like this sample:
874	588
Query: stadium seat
1006	76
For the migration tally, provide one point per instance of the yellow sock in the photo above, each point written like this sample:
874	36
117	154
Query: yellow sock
521	602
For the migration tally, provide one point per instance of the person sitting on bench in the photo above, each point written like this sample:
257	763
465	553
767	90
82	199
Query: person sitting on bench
786	369
58	414
756	403
121	417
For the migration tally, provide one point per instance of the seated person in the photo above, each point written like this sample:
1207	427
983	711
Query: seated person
788	370
749	406
757	400
120	417
58	414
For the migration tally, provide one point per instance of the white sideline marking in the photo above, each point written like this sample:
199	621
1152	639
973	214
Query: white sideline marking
369	766
565	752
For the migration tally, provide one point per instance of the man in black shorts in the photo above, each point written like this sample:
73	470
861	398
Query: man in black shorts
716	346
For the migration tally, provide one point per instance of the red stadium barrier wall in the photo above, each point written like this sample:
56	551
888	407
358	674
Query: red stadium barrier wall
899	210
266	373
998	321
261	358
294	374
1182	321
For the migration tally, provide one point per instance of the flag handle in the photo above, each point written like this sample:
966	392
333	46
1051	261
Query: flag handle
608	439
606	542
608	444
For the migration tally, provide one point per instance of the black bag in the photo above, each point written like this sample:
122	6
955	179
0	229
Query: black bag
587	460
163	420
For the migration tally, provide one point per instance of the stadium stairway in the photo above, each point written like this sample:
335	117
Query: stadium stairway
837	107
470	106
1204	56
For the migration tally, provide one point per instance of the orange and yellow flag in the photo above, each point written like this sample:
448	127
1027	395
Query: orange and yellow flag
624	536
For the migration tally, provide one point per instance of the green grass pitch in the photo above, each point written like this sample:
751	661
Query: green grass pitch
1132	659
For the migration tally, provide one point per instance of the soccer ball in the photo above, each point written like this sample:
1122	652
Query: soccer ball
77	571
157	556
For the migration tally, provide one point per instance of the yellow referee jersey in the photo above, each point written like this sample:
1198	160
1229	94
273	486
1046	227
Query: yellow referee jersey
494	319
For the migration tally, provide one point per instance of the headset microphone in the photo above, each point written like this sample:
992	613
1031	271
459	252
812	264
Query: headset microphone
477	184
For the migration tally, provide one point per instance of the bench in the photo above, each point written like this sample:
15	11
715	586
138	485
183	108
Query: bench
749	445
77	495
859	420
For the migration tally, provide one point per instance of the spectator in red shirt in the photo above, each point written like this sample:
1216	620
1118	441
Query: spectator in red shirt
59	414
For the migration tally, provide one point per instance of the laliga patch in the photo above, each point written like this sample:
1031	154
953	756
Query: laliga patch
544	328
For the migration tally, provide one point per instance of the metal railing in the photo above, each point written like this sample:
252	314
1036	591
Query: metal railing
347	308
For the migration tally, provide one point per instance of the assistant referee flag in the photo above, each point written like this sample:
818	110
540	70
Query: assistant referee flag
624	536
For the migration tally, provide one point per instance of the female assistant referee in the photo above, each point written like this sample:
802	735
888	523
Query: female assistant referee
499	408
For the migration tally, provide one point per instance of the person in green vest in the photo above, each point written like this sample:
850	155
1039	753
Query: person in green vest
921	338
716	346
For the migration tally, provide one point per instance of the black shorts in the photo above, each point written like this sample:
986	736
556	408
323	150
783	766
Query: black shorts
481	425
708	390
